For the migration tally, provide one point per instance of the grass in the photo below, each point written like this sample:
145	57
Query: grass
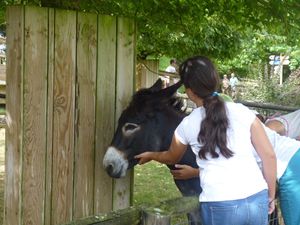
153	183
2	111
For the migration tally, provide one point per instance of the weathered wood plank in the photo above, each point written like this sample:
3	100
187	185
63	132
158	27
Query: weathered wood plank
34	110
125	87
63	116
15	30
129	216
48	196
149	73
85	115
105	109
158	214
268	106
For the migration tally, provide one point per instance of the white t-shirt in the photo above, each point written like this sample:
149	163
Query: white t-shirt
284	148
225	179
171	69
233	81
291	122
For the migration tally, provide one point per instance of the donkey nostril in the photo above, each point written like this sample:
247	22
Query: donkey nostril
109	169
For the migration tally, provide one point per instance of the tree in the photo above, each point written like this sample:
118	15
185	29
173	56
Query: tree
180	28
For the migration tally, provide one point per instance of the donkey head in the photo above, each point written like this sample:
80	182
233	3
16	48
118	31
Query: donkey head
147	124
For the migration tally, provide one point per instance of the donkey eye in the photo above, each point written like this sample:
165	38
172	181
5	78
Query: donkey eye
130	128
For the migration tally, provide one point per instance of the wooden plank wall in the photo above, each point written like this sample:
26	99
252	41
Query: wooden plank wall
69	76
148	73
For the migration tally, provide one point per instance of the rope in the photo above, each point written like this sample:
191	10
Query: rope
174	75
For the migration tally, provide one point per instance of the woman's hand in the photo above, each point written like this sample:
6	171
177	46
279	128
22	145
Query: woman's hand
169	157
271	205
144	157
184	172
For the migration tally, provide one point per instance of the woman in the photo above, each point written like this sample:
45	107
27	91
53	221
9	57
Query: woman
287	151
286	125
223	137
225	85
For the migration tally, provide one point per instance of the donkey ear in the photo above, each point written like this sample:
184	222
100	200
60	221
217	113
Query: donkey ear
169	91
157	86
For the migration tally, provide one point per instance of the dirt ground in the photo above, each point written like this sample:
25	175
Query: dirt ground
2	170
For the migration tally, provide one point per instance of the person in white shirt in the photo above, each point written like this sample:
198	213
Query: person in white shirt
287	152
223	137
287	125
233	81
172	67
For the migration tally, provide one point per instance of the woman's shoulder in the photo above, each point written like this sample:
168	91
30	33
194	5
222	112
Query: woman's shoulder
236	106
196	114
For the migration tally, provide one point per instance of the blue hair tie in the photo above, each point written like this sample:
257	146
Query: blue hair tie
215	94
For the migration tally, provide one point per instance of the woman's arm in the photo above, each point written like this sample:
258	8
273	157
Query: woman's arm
265	151
171	156
276	126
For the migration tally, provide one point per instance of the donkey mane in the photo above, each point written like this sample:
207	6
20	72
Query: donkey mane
146	100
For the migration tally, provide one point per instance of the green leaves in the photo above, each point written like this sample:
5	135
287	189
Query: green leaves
236	32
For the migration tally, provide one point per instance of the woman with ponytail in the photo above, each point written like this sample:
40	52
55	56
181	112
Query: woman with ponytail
223	137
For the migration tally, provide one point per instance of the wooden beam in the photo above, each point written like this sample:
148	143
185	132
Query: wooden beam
128	216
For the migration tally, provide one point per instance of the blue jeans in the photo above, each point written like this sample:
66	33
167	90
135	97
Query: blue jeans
251	211
289	188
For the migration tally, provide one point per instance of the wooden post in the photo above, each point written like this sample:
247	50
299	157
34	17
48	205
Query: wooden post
122	197
155	218
105	110
85	118
161	214
14	82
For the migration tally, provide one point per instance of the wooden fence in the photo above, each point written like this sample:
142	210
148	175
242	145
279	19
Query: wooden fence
146	73
167	212
69	76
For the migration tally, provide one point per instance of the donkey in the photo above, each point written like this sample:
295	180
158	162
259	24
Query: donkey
148	124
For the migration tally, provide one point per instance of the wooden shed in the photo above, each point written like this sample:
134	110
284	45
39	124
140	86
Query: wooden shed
69	76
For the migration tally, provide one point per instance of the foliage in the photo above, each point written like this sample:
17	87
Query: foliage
270	91
240	35
181	28
255	52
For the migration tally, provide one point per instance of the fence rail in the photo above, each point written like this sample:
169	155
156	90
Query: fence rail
161	214
268	106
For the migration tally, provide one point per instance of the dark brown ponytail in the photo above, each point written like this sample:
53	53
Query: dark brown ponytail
199	74
213	130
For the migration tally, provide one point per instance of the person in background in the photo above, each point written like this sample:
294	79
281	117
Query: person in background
225	85
172	67
223	137
233	81
286	125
